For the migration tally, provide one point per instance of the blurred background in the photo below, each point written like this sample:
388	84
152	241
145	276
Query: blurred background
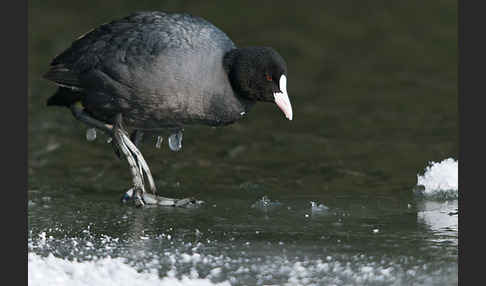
373	86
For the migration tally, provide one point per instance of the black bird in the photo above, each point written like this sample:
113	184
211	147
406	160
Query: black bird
152	71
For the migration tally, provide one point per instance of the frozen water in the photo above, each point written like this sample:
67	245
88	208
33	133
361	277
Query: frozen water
440	179
175	141
317	207
54	271
244	242
264	203
159	142
191	264
439	215
91	134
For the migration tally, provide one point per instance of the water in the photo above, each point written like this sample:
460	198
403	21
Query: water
237	241
265	203
360	188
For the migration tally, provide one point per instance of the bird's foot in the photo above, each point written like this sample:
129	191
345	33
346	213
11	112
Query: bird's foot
133	196
141	199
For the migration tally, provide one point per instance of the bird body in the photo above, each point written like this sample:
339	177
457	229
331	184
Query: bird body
159	70
152	71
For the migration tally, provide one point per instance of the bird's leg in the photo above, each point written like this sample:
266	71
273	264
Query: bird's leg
149	198
137	163
79	113
120	139
135	158
140	161
136	137
154	199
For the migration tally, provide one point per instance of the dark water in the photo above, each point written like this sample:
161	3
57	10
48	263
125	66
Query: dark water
374	94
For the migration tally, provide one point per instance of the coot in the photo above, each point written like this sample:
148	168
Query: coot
153	71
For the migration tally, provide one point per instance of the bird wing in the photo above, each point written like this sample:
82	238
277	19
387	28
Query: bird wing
125	50
110	48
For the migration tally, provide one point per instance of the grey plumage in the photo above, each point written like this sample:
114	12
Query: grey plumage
159	70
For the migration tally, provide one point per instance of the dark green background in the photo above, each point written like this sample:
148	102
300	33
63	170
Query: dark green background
373	86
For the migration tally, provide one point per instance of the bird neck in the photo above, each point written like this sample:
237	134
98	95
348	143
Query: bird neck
239	65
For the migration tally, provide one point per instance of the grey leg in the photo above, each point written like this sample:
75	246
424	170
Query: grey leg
151	199
138	165
81	115
140	161
119	138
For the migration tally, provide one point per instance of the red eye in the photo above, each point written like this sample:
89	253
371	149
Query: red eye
269	77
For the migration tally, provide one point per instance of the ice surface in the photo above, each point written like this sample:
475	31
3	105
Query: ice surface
192	264
439	215
317	207
264	203
440	179
54	271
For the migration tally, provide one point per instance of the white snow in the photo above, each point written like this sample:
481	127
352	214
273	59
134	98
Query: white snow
440	178
318	207
54	271
186	269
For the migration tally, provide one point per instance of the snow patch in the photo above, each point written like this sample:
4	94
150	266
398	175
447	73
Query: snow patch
440	179
54	271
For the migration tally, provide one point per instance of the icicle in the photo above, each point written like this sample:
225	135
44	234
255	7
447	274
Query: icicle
91	134
175	141
159	142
